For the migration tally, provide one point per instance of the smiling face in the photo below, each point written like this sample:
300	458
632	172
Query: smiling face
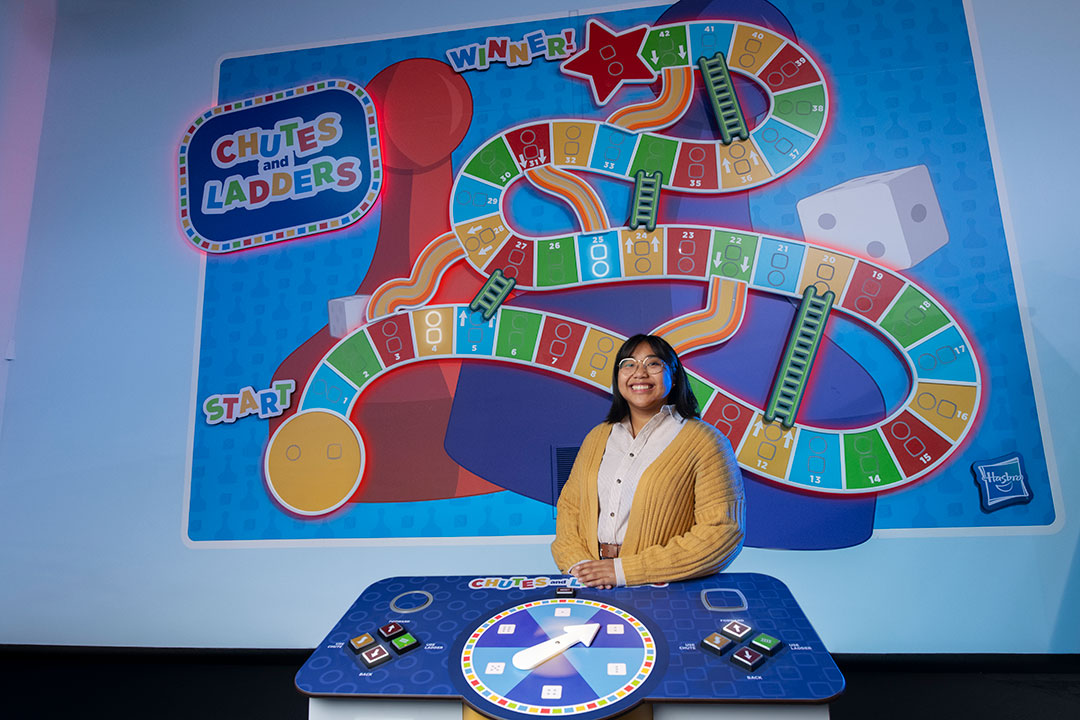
643	391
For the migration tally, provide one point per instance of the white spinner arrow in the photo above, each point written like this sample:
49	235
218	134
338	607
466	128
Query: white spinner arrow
529	658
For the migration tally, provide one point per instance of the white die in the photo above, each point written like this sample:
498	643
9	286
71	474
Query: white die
892	216
347	314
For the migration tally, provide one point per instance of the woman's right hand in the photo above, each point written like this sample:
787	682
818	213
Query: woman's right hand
595	573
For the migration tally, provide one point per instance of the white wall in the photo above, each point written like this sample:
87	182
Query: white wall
93	444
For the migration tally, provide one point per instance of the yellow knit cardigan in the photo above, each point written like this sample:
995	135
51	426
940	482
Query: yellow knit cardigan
687	515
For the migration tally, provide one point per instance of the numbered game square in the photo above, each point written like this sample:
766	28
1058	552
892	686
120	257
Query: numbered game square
507	629
562	612
616	668
551	692
495	668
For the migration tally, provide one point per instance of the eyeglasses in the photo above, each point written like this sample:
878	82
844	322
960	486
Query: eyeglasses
653	365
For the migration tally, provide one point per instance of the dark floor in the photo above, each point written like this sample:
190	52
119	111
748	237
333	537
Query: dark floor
50	682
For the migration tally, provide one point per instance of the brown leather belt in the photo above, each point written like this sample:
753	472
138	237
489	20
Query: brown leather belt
609	551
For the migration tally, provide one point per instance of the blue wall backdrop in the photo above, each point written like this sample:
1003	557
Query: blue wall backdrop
103	529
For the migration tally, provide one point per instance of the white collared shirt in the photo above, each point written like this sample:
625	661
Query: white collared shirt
626	457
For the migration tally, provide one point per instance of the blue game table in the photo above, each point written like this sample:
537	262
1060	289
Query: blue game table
538	646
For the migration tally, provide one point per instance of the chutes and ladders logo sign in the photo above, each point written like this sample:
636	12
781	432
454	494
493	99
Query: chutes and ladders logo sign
279	166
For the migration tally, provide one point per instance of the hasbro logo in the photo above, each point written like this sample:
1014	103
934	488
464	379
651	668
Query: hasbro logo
1002	482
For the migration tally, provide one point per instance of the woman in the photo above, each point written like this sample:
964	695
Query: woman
655	494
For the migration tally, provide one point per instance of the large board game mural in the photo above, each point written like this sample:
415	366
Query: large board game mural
421	254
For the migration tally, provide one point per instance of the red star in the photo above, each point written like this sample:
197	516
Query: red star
610	59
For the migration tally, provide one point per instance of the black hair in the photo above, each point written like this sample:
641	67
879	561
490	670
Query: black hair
681	396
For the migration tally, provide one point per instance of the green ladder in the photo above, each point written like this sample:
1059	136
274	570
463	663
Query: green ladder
646	199
799	355
725	104
492	295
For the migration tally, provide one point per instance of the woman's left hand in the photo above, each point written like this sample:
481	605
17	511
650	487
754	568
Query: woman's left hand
596	573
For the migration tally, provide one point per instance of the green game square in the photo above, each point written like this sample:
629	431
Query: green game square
183	202
702	391
556	262
655	153
913	317
733	255
493	163
667	47
803	108
867	463
356	359
518	333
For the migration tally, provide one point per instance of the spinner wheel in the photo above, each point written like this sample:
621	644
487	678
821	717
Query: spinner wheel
609	675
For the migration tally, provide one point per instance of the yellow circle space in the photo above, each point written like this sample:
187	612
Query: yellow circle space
314	462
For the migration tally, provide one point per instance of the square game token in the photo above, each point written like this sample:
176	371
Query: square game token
360	642
737	631
747	659
716	643
404	643
390	630
375	656
565	592
766	644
